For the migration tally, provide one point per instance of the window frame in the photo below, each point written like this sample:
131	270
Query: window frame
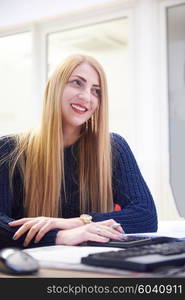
166	189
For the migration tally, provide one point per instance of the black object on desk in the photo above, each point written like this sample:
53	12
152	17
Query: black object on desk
132	241
15	261
143	258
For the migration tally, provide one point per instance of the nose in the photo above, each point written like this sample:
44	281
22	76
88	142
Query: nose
85	95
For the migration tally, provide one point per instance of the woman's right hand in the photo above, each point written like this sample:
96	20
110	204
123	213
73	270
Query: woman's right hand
94	231
37	227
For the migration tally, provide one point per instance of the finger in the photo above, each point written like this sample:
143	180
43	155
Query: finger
110	230
47	227
19	222
104	230
32	232
24	228
92	227
112	223
108	234
118	227
96	238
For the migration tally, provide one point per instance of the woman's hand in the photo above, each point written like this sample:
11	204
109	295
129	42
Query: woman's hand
94	231
39	226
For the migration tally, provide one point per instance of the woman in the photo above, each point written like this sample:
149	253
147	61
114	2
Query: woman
60	183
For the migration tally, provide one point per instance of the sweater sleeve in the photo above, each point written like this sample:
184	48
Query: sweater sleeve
138	212
11	205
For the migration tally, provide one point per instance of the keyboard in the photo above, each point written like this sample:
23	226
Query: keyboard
131	241
143	258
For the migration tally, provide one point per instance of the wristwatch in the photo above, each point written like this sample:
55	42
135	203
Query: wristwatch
86	219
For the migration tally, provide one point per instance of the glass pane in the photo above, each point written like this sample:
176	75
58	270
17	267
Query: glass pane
108	42
15	82
176	79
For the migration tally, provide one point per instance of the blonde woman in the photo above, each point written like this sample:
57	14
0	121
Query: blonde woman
59	184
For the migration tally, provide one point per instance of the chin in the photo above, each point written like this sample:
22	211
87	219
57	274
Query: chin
77	123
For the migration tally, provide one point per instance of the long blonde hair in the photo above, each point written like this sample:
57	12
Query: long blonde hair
40	154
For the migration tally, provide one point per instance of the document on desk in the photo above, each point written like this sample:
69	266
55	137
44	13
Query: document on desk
172	228
175	229
69	258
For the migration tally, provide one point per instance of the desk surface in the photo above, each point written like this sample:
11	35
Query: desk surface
53	273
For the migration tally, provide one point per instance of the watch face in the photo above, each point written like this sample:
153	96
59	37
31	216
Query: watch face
86	218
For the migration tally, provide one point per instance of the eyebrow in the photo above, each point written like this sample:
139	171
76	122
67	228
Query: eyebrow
84	80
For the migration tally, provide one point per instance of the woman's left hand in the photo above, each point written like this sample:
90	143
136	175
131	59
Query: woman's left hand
37	227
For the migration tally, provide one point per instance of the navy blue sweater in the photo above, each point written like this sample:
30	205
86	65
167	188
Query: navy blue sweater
130	192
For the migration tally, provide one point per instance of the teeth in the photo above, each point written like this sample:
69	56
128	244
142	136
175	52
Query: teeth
78	107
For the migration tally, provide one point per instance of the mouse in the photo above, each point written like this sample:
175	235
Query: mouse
16	261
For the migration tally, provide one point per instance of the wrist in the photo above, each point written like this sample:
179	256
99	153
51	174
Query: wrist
78	222
58	237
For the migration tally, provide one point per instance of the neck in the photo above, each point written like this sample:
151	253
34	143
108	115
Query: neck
70	135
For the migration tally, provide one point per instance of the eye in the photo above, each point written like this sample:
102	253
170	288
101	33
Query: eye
76	82
96	92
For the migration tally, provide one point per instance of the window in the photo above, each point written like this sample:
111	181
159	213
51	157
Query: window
108	42
176	91
15	78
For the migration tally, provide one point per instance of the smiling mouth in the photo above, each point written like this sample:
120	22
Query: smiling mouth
79	108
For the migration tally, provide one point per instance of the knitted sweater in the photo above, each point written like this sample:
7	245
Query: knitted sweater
130	192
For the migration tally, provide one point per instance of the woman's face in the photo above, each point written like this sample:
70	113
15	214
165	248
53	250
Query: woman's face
81	96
